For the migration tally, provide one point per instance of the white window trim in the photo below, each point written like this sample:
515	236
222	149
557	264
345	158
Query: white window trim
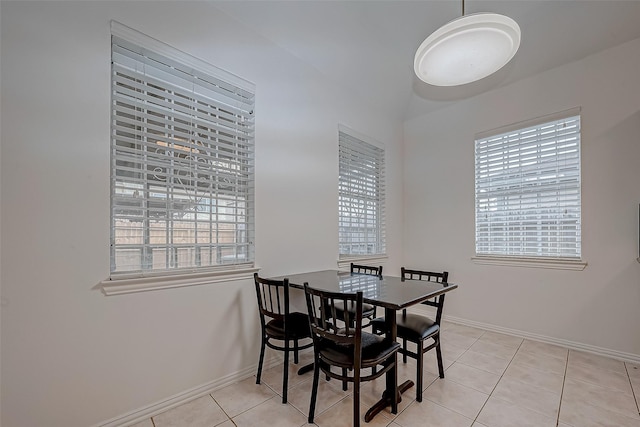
523	261
125	283
346	259
152	282
364	259
551	263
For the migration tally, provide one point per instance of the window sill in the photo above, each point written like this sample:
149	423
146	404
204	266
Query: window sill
554	264
345	262
127	285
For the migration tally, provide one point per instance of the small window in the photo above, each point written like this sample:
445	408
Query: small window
361	196
182	161
527	190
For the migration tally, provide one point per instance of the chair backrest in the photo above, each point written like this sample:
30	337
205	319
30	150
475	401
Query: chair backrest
330	325
273	298
366	269
430	276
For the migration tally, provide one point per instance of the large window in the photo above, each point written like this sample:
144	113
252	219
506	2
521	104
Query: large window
182	162
360	197
527	190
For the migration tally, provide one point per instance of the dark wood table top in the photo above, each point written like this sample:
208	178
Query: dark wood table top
388	291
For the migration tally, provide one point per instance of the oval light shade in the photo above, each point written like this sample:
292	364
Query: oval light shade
467	49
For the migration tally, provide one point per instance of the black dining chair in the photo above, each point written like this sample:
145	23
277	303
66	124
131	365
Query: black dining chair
368	310
279	324
336	343
416	328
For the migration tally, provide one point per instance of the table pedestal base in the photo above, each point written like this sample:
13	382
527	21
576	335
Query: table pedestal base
386	401
306	368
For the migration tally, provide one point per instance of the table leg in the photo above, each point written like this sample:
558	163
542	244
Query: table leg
395	396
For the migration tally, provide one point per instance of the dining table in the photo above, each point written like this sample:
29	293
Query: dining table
389	292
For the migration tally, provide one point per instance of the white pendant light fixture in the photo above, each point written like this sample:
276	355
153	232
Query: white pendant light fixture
467	49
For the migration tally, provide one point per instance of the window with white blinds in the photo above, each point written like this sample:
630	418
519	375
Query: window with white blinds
182	162
527	190
361	196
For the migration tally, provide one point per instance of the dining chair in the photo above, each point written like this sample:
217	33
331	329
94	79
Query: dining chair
342	344
417	328
368	310
279	324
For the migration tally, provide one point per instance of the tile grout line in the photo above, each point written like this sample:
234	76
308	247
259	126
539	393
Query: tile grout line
564	379
633	391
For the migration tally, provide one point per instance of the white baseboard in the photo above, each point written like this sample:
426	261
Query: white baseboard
601	351
156	408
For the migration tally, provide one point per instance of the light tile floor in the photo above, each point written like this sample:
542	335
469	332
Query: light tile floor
491	380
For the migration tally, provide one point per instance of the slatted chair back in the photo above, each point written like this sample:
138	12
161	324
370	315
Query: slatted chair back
437	302
366	269
273	298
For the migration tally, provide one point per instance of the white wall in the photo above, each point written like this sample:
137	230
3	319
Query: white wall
73	357
598	308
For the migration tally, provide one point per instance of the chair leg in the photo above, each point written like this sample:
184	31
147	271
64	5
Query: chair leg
344	382
261	360
285	376
295	352
439	354
314	389
356	398
420	370
404	353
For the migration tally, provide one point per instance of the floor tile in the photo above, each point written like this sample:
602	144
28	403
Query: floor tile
543	349
577	413
427	413
201	412
329	393
272	412
549	381
341	415
474	378
598	376
491	380
463	400
241	396
467	331
501	339
498	413
603	397
494	365
451	337
595	361
493	349
273	376
540	361
527	396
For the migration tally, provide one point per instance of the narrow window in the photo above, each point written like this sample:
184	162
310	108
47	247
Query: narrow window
361	196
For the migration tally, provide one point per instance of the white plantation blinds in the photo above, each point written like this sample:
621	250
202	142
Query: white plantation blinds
528	191
361	195
182	164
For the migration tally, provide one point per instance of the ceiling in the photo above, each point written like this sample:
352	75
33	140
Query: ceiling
369	46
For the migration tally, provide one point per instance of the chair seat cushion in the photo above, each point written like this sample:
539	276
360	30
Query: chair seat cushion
413	327
374	349
367	309
298	324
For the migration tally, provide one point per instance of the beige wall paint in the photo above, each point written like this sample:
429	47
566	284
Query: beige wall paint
73	357
597	307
